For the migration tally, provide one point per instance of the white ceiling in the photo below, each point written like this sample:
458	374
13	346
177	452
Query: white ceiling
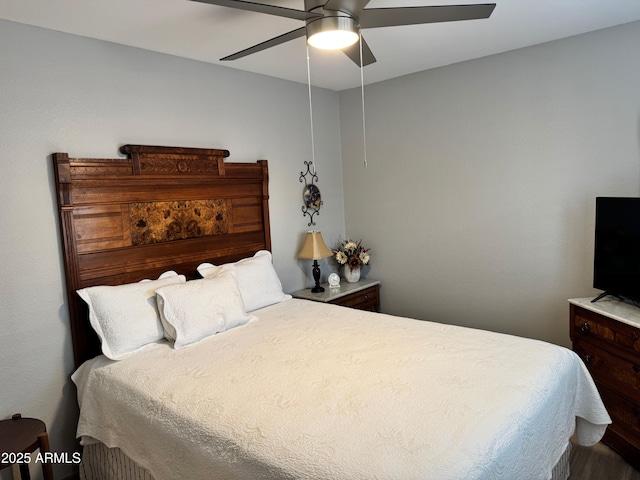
207	33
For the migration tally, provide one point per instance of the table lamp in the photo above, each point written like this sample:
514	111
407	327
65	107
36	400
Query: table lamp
314	249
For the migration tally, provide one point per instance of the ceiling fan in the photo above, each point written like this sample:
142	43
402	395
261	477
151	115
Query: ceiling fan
336	24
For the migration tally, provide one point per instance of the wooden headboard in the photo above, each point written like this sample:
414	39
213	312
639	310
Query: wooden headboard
161	208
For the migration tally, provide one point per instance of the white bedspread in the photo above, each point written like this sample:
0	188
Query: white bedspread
315	391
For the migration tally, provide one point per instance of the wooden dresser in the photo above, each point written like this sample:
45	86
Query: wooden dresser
363	295
606	335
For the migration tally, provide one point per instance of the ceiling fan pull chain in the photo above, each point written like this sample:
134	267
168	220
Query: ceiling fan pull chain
313	147
364	129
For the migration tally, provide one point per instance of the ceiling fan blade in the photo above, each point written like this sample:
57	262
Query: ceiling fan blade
353	7
353	52
262	8
391	17
285	37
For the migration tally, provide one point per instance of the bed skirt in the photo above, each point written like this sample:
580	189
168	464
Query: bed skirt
562	471
100	462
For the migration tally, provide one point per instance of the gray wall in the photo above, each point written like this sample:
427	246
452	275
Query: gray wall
478	201
64	93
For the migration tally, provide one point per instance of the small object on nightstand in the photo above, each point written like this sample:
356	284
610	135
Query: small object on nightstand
334	280
314	249
19	438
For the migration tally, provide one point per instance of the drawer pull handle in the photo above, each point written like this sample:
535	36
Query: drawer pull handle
366	297
587	359
585	327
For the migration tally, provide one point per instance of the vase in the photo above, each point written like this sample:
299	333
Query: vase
351	275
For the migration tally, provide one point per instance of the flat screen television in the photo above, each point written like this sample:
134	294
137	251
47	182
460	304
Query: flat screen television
617	247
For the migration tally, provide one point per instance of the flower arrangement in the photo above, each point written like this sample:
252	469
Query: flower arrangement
352	254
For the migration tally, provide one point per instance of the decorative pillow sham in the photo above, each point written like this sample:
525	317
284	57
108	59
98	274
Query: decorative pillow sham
257	280
198	309
126	317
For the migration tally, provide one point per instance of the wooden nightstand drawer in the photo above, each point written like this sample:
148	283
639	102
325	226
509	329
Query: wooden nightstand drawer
367	299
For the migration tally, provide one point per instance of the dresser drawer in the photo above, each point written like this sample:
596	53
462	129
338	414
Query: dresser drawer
610	370
624	413
592	327
367	299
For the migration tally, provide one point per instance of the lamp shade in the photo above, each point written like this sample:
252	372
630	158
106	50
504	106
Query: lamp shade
314	247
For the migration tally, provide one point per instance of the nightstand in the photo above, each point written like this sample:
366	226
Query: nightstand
363	295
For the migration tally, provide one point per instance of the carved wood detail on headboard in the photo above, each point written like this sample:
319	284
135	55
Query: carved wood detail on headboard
161	208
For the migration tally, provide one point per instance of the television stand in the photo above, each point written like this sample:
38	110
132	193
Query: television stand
606	294
606	335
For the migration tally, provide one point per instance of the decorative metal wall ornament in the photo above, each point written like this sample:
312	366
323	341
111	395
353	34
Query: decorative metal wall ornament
310	194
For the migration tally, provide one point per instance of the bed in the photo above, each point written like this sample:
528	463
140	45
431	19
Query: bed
237	380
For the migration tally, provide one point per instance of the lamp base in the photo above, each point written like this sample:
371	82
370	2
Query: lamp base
316	277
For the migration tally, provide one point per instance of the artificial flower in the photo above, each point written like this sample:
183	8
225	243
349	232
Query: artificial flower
352	253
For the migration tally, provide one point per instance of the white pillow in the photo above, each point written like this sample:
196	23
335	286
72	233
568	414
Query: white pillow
200	308
126	317
257	280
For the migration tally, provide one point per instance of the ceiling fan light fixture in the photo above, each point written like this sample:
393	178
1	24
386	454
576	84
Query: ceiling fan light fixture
332	33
